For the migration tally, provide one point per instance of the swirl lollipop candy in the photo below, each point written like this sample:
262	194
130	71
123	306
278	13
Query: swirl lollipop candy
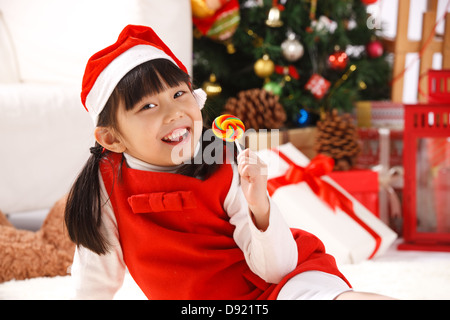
229	128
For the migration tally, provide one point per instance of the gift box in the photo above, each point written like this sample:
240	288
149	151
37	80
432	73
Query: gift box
371	143
317	85
380	114
361	184
302	138
311	201
382	151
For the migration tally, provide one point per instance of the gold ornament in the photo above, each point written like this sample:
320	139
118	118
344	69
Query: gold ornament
274	18
264	67
230	46
200	9
211	87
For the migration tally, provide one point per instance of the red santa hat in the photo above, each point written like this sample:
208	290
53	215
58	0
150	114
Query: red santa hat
135	45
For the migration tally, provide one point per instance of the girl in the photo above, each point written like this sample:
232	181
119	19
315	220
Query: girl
185	229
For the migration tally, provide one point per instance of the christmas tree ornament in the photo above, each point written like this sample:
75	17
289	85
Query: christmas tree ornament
274	16
230	46
323	26
306	118
362	85
291	48
374	49
274	87
222	24
367	2
338	60
202	9
257	108
264	67
288	72
317	85
211	87
337	138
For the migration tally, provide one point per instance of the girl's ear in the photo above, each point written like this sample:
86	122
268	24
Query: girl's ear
109	139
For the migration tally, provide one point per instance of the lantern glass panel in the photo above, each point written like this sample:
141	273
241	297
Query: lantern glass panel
433	184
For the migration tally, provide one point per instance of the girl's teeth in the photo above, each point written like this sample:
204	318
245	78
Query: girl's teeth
175	135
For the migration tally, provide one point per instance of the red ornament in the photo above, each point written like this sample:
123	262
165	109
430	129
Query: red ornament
374	49
338	60
367	2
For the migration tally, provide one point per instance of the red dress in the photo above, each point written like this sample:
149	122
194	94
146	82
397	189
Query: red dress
177	241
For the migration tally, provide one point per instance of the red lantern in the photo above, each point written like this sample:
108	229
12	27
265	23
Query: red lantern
338	60
426	193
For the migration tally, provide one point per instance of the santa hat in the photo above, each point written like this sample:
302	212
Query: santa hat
104	70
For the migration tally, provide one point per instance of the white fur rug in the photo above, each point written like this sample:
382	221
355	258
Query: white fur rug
400	274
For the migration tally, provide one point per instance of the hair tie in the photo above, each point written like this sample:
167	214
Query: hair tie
97	151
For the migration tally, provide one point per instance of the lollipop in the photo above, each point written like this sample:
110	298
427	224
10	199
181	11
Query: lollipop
228	127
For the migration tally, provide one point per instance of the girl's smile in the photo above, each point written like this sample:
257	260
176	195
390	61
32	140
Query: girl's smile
177	136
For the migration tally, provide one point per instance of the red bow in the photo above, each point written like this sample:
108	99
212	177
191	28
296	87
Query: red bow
291	70
162	201
319	166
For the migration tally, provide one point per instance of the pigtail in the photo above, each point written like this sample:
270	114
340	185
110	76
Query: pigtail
83	208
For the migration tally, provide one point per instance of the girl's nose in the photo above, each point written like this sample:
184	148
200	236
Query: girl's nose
173	112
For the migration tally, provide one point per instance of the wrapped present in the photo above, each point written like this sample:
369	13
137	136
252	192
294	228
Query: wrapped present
318	86
372	147
382	151
380	114
361	184
312	201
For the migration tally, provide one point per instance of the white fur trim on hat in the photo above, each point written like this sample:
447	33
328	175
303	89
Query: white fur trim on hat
200	97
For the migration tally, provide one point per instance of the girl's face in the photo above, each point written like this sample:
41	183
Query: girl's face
161	129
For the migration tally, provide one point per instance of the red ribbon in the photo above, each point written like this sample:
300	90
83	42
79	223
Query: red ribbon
319	166
291	70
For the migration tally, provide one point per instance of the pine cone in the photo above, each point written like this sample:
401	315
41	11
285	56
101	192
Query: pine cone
257	108
337	138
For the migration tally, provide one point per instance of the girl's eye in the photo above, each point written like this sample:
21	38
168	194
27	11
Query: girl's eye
178	94
148	106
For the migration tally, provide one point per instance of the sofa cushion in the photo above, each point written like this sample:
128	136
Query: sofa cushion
45	135
8	64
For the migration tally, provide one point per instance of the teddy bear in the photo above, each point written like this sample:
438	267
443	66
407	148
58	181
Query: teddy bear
26	254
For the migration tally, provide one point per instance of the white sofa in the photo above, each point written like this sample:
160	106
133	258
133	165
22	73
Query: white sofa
45	133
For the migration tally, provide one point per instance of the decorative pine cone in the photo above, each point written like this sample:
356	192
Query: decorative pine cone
257	108
337	138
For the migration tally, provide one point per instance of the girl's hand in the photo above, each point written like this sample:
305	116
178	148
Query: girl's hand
253	173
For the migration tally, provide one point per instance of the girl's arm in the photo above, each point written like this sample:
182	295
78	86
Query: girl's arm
100	276
272	253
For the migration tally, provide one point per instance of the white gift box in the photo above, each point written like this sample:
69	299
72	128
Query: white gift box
350	238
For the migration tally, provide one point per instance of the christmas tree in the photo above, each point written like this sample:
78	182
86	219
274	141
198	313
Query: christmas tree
315	55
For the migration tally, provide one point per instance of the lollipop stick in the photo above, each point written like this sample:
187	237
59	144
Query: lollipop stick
238	146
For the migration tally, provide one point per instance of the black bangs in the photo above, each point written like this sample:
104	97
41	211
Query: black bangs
150	78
